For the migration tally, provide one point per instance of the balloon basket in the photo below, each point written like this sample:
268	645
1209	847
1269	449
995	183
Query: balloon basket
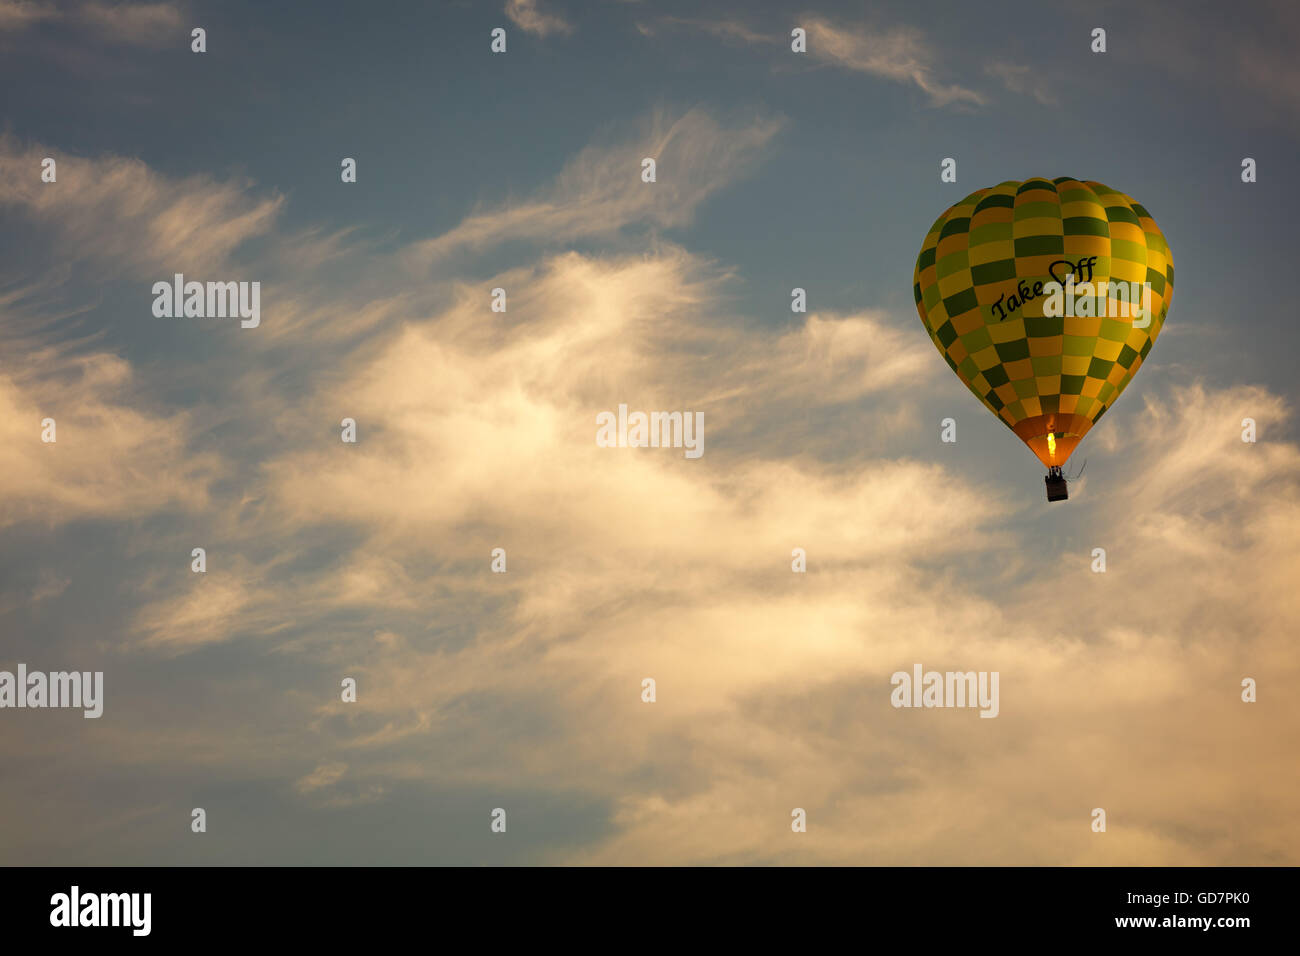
1055	481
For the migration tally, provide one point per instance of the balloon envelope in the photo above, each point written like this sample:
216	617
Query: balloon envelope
1048	377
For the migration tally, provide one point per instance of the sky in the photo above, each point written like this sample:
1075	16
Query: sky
476	430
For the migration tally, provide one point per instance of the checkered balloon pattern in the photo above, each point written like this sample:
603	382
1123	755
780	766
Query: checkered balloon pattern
1049	378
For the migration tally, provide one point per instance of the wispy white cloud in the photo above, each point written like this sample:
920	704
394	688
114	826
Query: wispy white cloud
17	15
137	24
901	54
116	454
529	16
120	214
733	30
600	191
1023	80
132	24
323	776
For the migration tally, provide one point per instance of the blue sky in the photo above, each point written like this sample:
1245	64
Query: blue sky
776	170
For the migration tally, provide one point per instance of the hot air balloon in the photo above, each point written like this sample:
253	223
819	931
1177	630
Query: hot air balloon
1045	296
